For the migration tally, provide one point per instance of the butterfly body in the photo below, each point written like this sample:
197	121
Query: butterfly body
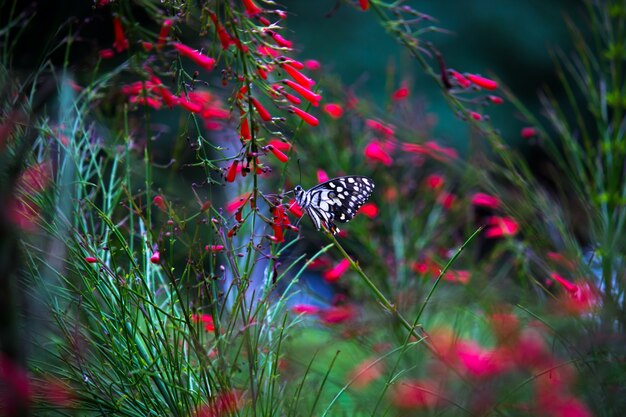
337	199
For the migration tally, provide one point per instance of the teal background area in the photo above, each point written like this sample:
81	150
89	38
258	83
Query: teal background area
511	40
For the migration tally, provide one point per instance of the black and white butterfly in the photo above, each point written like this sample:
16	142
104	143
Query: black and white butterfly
337	199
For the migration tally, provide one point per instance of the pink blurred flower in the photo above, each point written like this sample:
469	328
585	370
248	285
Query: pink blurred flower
337	314
375	152
500	227
365	373
414	394
305	309
335	273
370	210
485	200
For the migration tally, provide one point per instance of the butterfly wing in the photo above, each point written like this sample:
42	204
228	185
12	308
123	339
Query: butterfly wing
337	199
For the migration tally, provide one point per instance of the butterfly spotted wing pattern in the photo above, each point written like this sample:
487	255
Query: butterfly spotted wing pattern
338	199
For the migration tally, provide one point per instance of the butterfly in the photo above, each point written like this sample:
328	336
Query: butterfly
337	199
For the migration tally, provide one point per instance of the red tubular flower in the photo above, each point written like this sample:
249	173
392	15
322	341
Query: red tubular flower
476	116
267	51
159	202
278	154
483	82
401	93
480	362
156	257
414	394
238	202
168	98
91	259
365	4
280	41
202	60
528	132
387	130
121	43
214	248
457	276
446	199
365	373
265	115
293	99
369	209
308	95
322	176
337	271
280	145
296	64
434	181
205	319
460	79
298	77
501	226
336	315
333	110
485	200
375	152
495	99
164	33
106	53
190	106
251	8
312	64
312	120
305	309
232	171
295	209
147	46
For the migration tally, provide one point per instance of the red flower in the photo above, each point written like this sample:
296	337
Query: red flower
460	80
483	82
580	298
485	200
528	132
106	53
434	181
238	202
333	110
267	51
312	64
414	394
476	116
387	130
91	259
401	93
312	120
322	176
164	33
206	319
338	314
495	99
251	8
298	77
365	373
156	257
292	99
202	60
121	43
375	152
370	210
214	248
480	362
159	202
244	130
365	4
265	115
456	276
278	154
232	171
280	41
307	94
337	271
279	144
306	309
501	226
295	209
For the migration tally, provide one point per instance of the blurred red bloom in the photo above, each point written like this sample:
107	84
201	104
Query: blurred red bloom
365	373
205	319
159	202
15	388
414	394
460	79
446	200
295	209
369	209
561	405
485	200
333	110
580	298
322	176
223	404
120	43
383	129
505	326
483	82
375	152
306	309
337	271
312	65
238	202
434	181
501	226
91	259
528	132
106	53
251	8
476	116
495	99
200	59
280	41
365	4
156	257
480	362
401	93
164	33
457	275
214	248
337	314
